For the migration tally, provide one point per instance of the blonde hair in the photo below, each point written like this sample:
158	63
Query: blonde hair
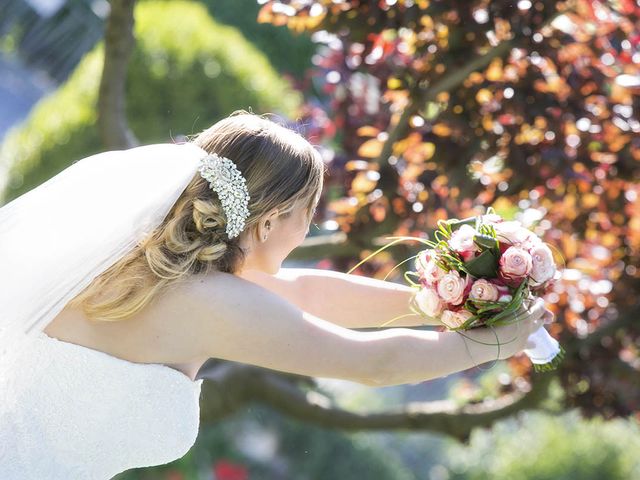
282	170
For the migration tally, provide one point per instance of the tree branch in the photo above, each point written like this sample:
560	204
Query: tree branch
118	45
230	386
624	320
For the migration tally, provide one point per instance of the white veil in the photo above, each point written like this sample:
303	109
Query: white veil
56	238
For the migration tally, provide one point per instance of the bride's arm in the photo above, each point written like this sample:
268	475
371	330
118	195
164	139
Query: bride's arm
350	301
240	321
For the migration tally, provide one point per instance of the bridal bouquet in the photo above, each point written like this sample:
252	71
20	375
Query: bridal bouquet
481	270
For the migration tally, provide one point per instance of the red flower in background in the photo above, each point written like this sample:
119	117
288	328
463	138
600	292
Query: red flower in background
225	470
174	475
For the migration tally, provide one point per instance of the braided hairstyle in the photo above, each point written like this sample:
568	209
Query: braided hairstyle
281	170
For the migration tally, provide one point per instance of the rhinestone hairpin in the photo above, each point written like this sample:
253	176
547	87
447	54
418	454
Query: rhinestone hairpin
227	181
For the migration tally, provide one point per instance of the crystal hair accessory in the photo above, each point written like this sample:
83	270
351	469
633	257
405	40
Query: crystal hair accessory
227	181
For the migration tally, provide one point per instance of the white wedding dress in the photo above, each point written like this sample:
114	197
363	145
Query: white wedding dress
84	414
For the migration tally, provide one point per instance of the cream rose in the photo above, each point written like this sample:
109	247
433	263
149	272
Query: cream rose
433	273
453	319
515	262
451	287
429	302
483	289
422	260
514	233
544	267
491	218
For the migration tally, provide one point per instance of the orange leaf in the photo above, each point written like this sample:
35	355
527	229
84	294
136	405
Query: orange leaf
590	200
367	131
371	148
441	129
494	72
364	182
356	165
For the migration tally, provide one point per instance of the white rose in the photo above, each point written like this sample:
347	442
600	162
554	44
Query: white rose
482	289
453	319
429	302
462	239
451	287
433	273
514	233
544	267
422	260
491	218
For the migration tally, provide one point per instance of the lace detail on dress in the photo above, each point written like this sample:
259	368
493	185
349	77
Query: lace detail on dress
84	414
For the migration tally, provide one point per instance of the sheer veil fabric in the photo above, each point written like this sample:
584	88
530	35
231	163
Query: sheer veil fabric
56	238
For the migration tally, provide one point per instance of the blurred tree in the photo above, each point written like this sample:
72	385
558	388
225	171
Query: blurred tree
440	109
271	40
221	77
53	36
545	447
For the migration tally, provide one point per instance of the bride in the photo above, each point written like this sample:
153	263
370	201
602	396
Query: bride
124	273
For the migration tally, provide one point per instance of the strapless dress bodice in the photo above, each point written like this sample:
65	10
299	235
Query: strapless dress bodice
71	412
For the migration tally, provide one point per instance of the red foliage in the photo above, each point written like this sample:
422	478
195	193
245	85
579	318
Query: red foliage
548	124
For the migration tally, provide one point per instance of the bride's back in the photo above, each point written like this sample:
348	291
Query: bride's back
165	331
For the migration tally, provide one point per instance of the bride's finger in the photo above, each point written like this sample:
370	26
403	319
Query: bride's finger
537	309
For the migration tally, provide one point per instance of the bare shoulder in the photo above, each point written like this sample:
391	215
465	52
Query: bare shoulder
223	295
221	305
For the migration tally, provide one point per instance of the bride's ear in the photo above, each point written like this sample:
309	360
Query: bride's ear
266	224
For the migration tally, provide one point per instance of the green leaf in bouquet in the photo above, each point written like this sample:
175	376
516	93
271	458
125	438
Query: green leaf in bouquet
398	264
395	240
482	306
411	282
484	265
454	224
470	323
489	230
446	261
486	242
512	307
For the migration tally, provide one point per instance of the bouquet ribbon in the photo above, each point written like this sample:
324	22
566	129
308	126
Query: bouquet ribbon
546	352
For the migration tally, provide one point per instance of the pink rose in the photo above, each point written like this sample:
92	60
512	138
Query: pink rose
544	267
483	289
453	319
429	302
452	286
515	262
462	241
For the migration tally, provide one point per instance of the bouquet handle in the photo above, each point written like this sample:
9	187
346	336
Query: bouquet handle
546	353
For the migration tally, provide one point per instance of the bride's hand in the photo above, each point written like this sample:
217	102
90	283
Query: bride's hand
516	334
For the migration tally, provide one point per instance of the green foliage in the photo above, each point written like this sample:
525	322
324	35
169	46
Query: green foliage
544	447
301	452
273	41
183	77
